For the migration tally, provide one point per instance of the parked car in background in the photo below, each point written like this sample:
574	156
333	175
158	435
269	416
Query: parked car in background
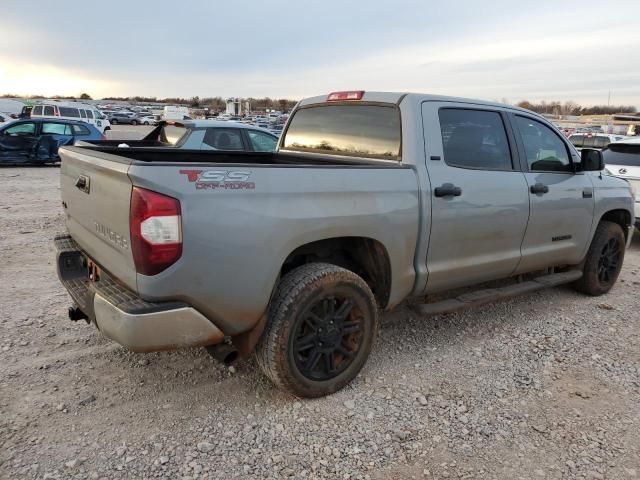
622	160
72	111
175	113
276	129
128	118
36	140
201	135
593	140
148	120
11	107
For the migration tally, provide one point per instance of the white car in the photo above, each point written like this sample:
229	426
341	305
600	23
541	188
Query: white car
622	160
148	120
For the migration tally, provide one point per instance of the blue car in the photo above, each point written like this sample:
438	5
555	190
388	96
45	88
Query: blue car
35	141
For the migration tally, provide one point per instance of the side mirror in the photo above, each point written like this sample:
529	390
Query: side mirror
591	160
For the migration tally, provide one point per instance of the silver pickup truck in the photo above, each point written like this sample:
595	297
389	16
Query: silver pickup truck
370	198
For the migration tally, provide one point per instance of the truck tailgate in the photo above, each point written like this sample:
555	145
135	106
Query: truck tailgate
96	194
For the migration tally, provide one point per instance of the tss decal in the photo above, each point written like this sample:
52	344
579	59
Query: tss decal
219	179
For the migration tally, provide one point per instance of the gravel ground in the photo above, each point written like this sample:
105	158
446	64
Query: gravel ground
546	385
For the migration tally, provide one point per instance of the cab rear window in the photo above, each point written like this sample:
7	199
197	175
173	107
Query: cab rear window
371	131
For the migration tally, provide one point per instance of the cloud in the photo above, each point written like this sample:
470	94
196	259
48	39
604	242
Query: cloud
544	50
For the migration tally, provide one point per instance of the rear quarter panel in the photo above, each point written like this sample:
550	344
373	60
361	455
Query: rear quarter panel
235	241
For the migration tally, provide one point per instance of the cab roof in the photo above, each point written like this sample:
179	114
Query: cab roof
398	97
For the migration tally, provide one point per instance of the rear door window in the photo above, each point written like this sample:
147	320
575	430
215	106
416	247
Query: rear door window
223	139
56	129
474	139
371	131
48	111
37	110
89	114
83	113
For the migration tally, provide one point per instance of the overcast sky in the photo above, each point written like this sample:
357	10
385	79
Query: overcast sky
536	50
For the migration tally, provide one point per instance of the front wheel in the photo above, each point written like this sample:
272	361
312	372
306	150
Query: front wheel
321	327
114	122
134	123
604	260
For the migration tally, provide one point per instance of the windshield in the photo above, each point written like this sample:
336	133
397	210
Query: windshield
626	155
353	130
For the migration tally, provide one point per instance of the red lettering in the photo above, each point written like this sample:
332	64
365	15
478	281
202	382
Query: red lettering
192	175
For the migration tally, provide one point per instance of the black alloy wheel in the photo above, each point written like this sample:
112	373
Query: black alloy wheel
328	338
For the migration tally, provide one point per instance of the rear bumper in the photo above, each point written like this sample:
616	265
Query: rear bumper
124	317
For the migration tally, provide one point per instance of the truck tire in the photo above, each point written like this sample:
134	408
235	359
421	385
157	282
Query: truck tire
603	261
322	324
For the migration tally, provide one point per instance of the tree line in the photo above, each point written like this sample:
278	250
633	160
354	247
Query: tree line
572	108
82	96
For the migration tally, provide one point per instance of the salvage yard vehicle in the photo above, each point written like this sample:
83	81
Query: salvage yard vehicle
72	111
370	198
622	159
128	118
200	135
36	141
148	120
593	140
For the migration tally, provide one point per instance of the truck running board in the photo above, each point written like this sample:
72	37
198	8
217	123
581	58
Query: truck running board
480	297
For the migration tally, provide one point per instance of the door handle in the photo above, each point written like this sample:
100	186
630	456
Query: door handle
587	193
539	189
447	190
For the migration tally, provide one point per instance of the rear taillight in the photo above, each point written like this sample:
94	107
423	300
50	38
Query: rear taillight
156	231
56	111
